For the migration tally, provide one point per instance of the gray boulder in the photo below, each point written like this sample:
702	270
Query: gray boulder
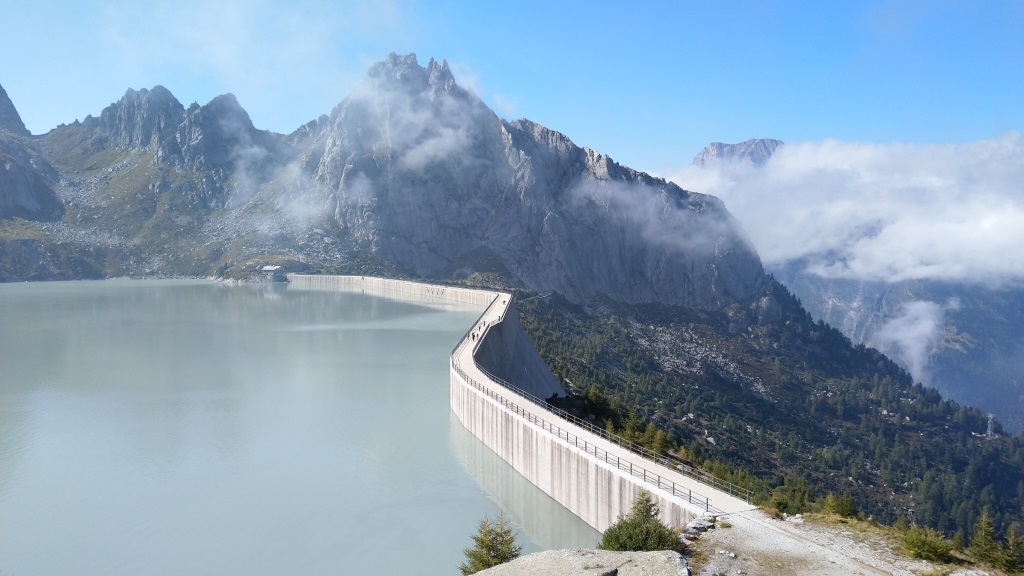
579	562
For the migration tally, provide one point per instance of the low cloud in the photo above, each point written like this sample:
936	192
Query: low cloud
658	216
910	336
888	212
419	125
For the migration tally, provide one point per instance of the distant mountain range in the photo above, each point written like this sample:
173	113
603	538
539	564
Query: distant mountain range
966	340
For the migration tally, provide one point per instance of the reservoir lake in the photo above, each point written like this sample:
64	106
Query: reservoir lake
190	427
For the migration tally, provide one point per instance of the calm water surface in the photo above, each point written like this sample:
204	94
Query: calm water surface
183	427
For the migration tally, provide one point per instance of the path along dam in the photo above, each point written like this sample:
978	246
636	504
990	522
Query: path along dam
497	385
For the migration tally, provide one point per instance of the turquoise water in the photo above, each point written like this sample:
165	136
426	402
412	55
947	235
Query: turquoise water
176	427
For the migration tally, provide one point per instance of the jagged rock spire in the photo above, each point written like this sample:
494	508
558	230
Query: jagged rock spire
142	117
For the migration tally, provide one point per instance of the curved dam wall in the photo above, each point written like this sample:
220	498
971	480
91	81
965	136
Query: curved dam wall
507	353
497	386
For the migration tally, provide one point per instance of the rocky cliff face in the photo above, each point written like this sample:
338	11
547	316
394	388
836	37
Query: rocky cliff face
142	118
596	228
755	151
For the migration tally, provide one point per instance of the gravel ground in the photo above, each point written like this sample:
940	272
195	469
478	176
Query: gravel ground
757	545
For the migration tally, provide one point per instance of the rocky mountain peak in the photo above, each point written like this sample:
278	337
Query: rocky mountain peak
208	135
404	71
141	118
439	76
10	120
219	138
755	151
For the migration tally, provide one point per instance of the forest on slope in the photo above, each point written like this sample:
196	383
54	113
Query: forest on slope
791	409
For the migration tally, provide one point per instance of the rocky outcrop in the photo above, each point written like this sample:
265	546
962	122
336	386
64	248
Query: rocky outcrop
10	120
580	562
216	141
219	140
755	151
142	118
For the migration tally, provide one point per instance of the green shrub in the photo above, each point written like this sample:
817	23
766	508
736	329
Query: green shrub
640	529
927	544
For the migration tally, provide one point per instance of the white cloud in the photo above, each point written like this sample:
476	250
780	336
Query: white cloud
683	225
886	212
910	337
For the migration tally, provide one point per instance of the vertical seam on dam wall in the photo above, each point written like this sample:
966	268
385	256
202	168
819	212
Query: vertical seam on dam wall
593	478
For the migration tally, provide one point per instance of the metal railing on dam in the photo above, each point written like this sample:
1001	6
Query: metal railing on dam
635	471
649	455
598	497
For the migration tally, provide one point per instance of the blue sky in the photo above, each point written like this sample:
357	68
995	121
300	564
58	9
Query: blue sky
648	83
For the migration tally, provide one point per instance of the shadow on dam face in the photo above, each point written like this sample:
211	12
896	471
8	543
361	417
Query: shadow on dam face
544	521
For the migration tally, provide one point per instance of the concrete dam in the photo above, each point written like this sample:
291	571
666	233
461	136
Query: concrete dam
498	383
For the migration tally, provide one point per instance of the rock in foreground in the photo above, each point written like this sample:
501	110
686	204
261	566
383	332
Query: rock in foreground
579	562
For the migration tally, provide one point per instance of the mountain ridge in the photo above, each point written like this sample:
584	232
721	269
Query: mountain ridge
413	172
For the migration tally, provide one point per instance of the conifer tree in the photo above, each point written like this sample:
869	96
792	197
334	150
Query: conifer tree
984	547
493	544
1013	550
